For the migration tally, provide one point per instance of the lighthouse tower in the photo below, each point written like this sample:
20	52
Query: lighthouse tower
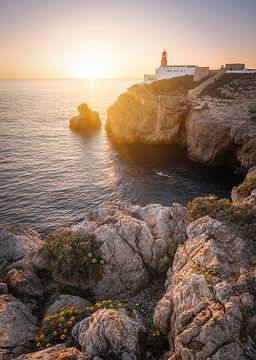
164	59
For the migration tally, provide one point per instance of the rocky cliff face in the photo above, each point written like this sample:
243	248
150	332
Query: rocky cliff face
219	128
141	115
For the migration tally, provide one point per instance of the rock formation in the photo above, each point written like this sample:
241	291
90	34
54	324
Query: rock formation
136	243
58	352
217	128
86	120
210	299
110	334
18	327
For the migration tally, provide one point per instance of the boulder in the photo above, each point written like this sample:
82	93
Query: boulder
210	298
58	352
18	328
136	244
110	334
65	301
86	120
25	282
18	245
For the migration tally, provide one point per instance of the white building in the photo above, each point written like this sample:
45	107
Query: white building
165	71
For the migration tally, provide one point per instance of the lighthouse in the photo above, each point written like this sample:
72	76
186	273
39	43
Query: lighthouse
164	59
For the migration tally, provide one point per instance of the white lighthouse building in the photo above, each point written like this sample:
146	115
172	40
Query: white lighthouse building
165	71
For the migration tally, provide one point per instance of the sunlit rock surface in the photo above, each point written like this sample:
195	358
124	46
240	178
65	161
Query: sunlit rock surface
86	120
110	334
136	243
58	352
217	128
209	305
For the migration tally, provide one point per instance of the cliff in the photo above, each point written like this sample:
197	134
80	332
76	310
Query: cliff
217	128
86	120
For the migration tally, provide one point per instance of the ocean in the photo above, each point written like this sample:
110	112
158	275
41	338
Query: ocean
49	174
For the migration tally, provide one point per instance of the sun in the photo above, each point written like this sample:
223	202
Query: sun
93	70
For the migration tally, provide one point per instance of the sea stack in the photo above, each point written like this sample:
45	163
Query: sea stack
86	120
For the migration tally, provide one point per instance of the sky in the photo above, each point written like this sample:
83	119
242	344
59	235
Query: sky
121	38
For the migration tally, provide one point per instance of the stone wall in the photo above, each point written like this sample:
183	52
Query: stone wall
201	73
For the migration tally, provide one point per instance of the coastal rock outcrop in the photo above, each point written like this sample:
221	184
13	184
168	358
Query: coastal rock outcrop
209	307
86	120
216	128
135	244
18	245
140	115
246	192
18	327
224	131
110	333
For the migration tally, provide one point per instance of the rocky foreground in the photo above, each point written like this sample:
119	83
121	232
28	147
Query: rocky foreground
133	282
216	128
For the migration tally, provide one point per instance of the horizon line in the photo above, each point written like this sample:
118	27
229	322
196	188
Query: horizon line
110	78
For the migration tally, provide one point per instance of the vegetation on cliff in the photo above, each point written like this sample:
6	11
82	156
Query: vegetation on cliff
241	218
71	254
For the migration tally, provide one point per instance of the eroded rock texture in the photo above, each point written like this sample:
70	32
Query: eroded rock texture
110	334
65	301
142	116
86	120
58	352
17	327
18	246
224	130
136	244
209	306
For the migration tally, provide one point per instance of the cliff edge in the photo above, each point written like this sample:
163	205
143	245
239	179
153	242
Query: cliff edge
216	128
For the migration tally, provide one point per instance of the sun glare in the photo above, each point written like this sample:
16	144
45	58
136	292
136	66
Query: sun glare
94	70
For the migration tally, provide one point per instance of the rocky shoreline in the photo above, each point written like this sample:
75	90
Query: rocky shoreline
216	128
132	282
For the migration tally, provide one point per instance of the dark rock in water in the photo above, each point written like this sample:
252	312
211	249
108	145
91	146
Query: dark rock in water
86	120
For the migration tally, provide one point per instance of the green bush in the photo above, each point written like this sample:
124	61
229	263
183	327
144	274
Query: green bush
242	219
71	254
56	328
247	186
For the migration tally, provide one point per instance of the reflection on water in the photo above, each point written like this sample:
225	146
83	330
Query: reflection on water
49	174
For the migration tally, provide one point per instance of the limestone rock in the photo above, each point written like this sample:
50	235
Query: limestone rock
64	301
17	327
225	132
210	296
140	115
25	282
18	245
109	333
136	244
58	352
86	120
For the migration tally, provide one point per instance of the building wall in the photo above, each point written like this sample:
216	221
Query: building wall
236	67
201	73
173	71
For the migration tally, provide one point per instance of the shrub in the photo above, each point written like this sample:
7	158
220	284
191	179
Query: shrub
57	328
71	254
247	186
242	219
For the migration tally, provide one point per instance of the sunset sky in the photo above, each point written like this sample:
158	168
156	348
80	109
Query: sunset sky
121	38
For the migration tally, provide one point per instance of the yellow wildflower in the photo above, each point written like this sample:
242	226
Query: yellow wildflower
65	330
110	306
38	345
119	305
55	333
48	345
61	318
72	318
69	322
42	336
62	337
